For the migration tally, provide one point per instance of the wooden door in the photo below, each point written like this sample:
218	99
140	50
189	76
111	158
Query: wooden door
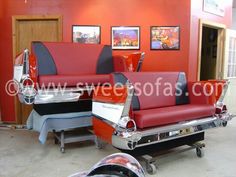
219	48
25	30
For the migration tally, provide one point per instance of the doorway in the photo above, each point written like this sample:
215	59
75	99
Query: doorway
209	53
25	29
211	50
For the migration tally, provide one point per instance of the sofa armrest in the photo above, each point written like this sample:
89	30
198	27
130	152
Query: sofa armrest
196	93
119	62
206	92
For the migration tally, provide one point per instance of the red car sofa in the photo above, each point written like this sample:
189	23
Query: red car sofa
72	63
156	109
76	67
141	116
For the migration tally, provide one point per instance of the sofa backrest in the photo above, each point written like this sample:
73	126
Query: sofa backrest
155	89
65	58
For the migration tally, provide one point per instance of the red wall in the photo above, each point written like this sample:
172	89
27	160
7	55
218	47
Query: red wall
6	102
196	14
113	13
106	13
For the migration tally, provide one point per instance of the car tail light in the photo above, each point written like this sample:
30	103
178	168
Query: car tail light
218	110
130	124
27	82
221	110
224	108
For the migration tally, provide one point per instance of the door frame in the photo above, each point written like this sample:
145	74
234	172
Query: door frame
15	20
220	46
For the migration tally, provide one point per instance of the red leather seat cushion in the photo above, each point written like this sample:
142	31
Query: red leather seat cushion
73	80
173	114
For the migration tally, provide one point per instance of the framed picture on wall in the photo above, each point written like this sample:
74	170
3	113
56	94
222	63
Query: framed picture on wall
125	37
216	7
86	34
165	37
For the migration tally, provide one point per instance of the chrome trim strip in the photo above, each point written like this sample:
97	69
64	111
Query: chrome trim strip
72	89
56	98
178	126
225	89
51	95
168	139
130	92
121	104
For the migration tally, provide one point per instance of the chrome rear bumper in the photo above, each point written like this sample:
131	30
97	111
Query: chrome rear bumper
31	96
131	140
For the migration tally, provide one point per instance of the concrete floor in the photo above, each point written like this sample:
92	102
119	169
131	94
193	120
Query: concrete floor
21	155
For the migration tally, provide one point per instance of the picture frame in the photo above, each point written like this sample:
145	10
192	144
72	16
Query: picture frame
165	38
125	37
216	7
86	34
